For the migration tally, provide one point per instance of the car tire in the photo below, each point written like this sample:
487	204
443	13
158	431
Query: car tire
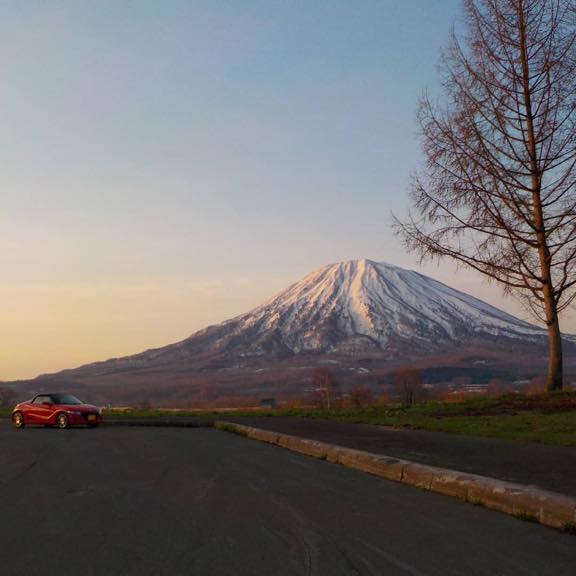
18	420
62	421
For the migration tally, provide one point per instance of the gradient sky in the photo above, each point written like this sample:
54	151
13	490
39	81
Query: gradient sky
169	164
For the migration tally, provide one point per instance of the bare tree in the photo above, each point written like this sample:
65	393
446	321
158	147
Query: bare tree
324	387
360	396
408	385
498	192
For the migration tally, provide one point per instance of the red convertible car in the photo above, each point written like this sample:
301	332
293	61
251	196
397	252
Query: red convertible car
61	410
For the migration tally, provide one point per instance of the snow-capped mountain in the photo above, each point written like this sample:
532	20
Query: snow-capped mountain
349	308
360	306
363	319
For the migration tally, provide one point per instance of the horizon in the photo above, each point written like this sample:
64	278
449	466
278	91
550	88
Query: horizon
168	167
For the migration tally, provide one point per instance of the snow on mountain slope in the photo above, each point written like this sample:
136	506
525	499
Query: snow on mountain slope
357	305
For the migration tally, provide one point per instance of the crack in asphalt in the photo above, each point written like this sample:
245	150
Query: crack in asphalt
19	475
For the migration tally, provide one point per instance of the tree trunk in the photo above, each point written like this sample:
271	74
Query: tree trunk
554	380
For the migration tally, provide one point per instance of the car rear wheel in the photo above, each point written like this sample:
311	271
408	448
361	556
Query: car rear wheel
18	420
62	421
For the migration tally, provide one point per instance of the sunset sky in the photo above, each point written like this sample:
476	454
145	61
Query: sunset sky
170	164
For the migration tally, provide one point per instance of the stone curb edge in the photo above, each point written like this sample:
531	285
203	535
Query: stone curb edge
525	502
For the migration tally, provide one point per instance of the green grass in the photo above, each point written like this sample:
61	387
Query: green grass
558	428
545	419
545	428
530	419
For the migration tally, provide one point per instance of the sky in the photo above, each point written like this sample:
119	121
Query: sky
169	165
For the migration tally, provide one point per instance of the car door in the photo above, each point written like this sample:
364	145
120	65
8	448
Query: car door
32	412
40	410
46	410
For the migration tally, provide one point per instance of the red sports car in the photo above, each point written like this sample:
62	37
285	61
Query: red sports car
61	410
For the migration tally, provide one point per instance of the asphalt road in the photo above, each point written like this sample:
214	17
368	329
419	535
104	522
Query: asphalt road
549	467
139	501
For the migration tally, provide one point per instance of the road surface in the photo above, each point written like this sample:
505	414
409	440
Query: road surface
139	501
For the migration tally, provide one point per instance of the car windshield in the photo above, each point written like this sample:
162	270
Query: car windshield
64	399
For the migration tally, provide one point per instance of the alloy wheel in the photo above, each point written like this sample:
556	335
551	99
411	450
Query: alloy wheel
62	421
18	420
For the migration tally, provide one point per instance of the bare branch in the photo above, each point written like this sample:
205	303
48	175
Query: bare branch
498	193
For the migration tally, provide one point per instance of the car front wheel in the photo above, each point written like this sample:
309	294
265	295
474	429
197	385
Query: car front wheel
18	419
62	421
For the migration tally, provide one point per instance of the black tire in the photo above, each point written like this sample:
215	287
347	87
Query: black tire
18	420
62	421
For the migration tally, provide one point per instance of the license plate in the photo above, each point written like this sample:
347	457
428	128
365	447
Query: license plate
91	417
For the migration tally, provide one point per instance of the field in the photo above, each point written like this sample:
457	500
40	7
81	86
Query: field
548	419
540	418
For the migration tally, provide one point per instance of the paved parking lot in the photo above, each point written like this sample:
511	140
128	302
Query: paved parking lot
138	501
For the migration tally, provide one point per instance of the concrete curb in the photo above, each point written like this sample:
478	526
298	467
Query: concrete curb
525	502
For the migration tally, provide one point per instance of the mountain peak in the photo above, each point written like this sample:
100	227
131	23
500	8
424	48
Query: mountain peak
356	265
362	305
